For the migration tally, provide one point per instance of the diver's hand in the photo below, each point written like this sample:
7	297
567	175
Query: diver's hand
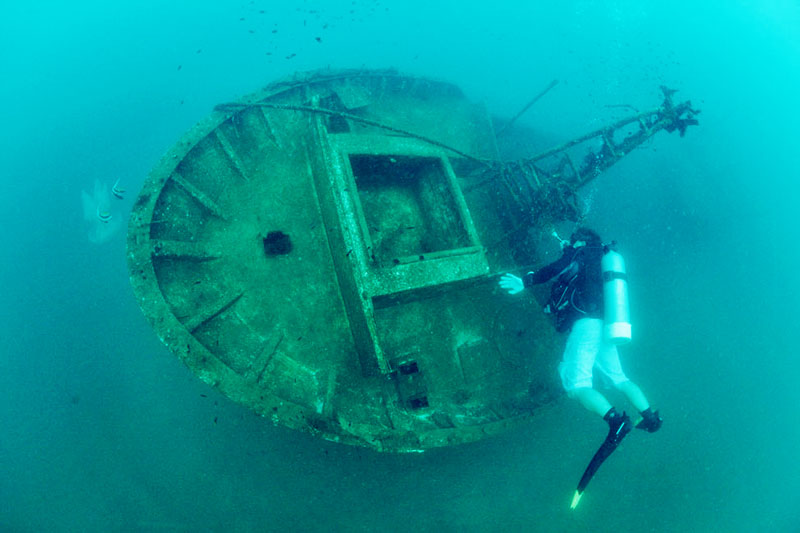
511	283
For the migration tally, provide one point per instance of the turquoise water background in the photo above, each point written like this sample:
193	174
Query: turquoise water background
104	430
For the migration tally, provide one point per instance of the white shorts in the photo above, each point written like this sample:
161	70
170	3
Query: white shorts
587	349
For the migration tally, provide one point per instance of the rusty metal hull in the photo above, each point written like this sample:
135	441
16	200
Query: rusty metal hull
301	253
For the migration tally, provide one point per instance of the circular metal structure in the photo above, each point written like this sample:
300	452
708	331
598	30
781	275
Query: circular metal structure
324	252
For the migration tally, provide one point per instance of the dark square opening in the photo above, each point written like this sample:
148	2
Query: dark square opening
408	206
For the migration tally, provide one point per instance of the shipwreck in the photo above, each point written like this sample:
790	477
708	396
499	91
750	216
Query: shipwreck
325	251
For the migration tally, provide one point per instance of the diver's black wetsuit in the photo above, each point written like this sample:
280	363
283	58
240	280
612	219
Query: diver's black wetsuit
585	291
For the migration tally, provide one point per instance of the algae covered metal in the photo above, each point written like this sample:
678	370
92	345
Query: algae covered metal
325	252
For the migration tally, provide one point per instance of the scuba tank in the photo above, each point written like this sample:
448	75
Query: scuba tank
617	327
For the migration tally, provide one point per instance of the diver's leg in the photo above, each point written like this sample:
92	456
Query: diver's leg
634	394
579	359
580	356
619	424
608	363
651	421
592	400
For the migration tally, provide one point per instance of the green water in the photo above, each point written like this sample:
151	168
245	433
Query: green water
104	430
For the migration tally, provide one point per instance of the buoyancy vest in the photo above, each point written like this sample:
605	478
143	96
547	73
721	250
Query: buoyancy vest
578	289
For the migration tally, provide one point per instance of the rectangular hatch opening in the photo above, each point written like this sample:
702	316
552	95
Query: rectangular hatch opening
408	206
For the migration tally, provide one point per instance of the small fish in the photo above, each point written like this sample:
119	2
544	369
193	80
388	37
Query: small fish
318	39
290	56
118	191
103	217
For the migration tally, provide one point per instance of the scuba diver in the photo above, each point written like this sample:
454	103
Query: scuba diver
580	307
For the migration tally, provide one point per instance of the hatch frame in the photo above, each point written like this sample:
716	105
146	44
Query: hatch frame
465	261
